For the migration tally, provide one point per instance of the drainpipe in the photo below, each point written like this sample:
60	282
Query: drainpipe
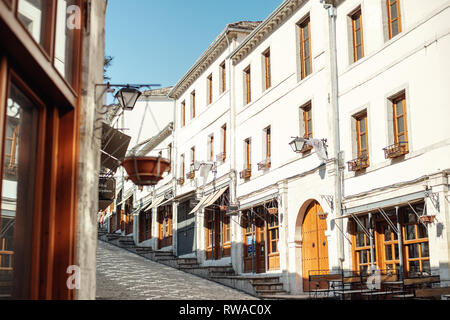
400	245
332	15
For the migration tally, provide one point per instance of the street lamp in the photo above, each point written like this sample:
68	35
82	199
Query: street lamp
297	144
127	97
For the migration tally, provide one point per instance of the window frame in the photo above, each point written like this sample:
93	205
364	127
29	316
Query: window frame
400	99
306	22
209	98
247	85
193	106
359	117
223	77
391	20
357	14
267	69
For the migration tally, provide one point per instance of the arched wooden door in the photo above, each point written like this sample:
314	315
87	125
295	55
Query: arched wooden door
314	247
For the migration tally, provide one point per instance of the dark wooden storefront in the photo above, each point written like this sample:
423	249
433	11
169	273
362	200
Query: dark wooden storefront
165	226
186	228
39	138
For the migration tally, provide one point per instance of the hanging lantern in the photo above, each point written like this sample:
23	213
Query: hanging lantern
128	97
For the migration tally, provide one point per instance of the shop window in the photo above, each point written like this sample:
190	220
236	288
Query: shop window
361	246
35	16
415	238
17	205
65	38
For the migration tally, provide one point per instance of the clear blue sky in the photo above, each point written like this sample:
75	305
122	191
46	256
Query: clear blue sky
157	41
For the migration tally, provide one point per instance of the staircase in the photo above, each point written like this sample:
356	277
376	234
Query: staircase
263	286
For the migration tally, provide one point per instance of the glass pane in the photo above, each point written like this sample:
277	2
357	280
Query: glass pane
362	125
400	125
360	240
388	250
414	267
414	250
17	188
399	108
307	67
359	53
424	250
410	232
426	266
67	22
357	19
306	49
394	13
33	15
396	251
394	26
363	142
358	37
423	232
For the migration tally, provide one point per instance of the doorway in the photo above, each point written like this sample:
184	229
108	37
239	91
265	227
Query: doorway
315	246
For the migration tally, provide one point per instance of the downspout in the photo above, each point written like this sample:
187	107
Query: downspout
332	15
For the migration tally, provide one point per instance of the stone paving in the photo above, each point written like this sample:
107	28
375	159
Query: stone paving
122	275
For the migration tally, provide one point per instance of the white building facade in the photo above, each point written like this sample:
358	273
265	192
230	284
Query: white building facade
252	203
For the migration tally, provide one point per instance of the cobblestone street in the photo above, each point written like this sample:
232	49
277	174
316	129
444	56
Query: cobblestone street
122	275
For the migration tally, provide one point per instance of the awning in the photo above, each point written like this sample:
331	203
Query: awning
203	200
114	147
216	196
155	203
125	199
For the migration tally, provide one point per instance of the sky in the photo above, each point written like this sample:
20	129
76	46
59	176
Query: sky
157	41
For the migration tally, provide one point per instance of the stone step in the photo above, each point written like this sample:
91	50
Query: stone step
262	293
187	260
264	280
268	286
188	265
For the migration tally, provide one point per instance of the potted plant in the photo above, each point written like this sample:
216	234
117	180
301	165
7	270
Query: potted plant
145	171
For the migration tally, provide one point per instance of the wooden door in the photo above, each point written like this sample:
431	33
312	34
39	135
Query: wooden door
254	244
314	248
213	234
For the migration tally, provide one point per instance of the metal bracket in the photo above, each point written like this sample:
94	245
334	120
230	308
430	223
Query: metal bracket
418	217
391	224
330	200
434	197
364	229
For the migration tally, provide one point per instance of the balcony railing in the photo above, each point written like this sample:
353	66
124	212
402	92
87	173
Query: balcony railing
396	150
359	163
245	174
265	164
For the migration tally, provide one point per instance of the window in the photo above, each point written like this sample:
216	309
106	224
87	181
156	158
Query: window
223	77
394	17
17	206
415	239
247	154
183	113
267	74
224	142
361	246
210	89
358	43
307	121
362	137
400	127
226	229
65	40
267	142
33	15
183	166
192	154
273	233
193	105
305	48
169	152
247	86
211	147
